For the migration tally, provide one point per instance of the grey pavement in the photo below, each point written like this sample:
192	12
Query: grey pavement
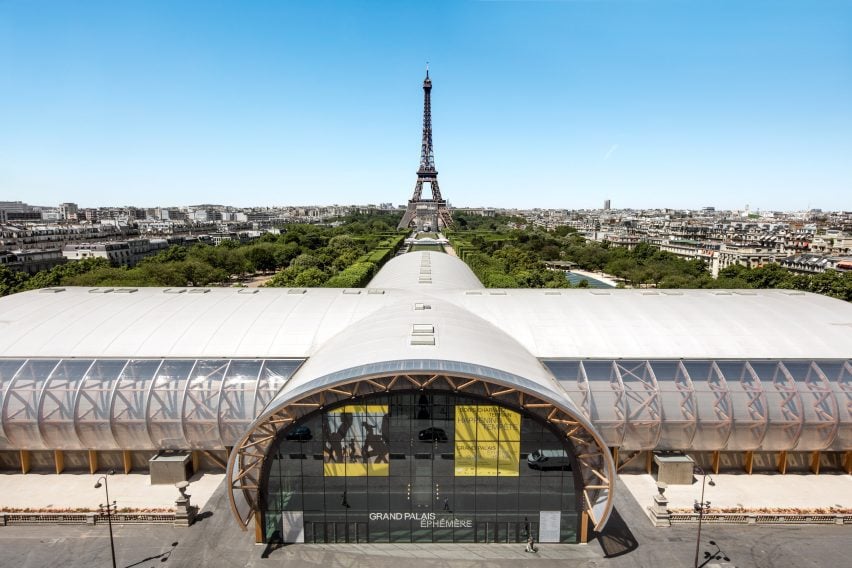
630	540
76	491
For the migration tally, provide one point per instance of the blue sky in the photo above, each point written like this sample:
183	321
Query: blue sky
650	103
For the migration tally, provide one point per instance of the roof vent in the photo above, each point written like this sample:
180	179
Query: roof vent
422	334
51	290
650	293
248	291
497	293
552	293
721	293
296	291
352	292
793	292
472	293
375	291
422	329
126	290
599	292
100	290
174	290
199	290
422	306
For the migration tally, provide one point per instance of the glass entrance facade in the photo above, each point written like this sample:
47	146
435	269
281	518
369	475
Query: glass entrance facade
420	467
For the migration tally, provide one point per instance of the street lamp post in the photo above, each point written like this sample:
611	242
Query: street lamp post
110	507
701	507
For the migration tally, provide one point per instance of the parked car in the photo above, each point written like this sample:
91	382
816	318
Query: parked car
432	435
549	459
300	434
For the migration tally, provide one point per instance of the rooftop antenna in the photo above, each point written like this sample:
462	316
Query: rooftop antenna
427	69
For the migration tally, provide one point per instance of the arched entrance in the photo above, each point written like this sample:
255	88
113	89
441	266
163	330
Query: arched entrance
420	466
255	470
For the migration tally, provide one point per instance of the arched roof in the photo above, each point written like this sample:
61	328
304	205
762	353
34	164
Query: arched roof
426	272
275	322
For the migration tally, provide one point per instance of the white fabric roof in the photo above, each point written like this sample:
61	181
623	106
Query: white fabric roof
228	322
412	271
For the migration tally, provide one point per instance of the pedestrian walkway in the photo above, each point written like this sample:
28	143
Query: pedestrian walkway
750	492
216	541
76	491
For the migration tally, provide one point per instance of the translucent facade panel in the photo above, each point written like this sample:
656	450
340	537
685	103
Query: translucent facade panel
713	405
20	405
818	405
56	415
783	406
236	404
700	405
130	402
748	403
200	406
571	379
677	403
8	369
839	375
642	405
94	402
165	404
273	376
606	400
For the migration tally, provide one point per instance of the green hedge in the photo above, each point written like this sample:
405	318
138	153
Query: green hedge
384	251
355	276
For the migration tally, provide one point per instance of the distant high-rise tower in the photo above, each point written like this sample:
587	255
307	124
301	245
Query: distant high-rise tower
427	213
606	205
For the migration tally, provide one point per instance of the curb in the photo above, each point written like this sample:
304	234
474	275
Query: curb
85	518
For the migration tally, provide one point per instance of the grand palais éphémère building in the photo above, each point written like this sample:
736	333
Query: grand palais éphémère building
424	407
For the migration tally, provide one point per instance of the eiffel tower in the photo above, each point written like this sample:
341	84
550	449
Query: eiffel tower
427	213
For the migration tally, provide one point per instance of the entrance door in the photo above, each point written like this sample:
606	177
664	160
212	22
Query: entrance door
357	532
336	532
484	531
340	532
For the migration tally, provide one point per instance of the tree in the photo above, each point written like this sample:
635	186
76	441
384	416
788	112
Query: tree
305	261
310	278
11	281
768	276
261	256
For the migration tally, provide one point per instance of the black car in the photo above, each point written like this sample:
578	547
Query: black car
300	434
432	435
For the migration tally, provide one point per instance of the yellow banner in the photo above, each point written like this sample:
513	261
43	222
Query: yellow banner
355	441
488	441
355	469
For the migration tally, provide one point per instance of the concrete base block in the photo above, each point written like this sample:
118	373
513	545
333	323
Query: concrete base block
675	470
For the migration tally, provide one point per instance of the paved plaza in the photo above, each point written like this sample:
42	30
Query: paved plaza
77	491
629	541
763	491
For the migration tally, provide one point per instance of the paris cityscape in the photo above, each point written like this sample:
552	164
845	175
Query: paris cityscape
242	324
37	238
